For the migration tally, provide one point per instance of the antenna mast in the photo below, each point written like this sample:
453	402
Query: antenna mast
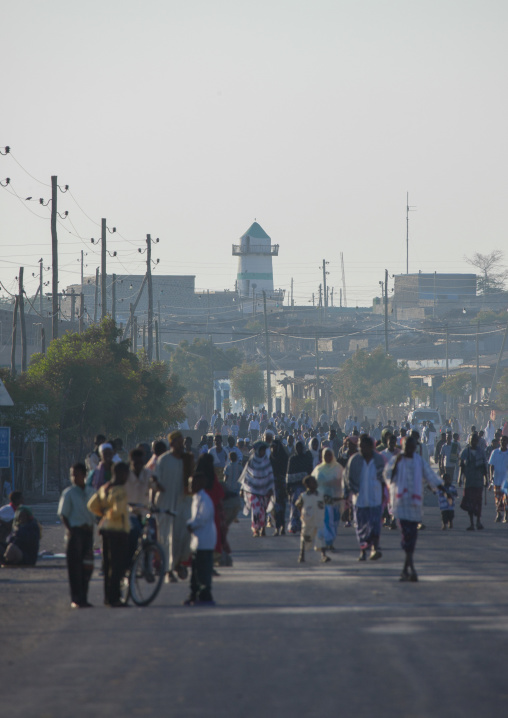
344	298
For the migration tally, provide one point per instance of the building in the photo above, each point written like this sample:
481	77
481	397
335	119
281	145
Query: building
255	270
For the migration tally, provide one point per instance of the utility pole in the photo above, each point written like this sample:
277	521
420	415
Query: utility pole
54	256
14	332
408	210
477	363
22	318
81	312
150	295
325	294
82	270
113	297
157	348
317	377
447	367
331	295
41	284
386	311
340	298
292	298
104	278
73	305
128	325
267	350
43	340
135	331
96	302
131	320
144	336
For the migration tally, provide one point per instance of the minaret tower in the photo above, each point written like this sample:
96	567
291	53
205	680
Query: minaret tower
255	252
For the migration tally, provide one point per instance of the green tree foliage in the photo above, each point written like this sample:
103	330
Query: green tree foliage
457	385
371	379
194	365
92	383
247	384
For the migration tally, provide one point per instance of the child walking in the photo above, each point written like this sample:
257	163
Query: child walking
312	512
204	537
447	502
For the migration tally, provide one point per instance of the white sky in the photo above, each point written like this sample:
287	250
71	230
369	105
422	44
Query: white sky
189	119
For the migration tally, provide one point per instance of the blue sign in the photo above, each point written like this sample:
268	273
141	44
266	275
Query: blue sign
5	447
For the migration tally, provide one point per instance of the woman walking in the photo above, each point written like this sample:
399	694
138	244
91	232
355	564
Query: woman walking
279	461
257	484
328	475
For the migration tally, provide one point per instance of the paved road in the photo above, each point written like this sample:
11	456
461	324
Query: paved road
285	639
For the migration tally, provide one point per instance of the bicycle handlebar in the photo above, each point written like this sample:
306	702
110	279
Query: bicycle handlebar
153	509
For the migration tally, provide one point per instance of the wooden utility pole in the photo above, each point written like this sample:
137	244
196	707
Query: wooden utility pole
96	300
135	332
292	298
41	284
150	296
129	323
81	312
477	363
73	305
317	377
386	311
14	333
54	258
113	298
104	276
82	272
43	340
447	367
22	318
267	350
325	294
157	346
144	335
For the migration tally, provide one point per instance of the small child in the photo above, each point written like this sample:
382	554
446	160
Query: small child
312	511
447	502
204	537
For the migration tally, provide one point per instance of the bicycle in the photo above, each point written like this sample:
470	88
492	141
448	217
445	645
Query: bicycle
145	576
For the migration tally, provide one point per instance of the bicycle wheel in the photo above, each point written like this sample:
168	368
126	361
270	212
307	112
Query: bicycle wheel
147	573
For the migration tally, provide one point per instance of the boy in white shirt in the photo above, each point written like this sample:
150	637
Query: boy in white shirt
312	513
204	537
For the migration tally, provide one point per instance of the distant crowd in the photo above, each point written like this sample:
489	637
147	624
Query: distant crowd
299	478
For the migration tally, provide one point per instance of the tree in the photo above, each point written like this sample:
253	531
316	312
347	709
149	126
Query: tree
371	380
247	383
457	385
89	383
194	365
493	274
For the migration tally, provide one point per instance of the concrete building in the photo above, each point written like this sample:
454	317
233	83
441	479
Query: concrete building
255	270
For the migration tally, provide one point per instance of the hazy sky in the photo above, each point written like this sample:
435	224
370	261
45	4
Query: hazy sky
189	119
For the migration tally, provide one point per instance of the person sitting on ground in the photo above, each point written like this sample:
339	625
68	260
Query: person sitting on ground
7	514
311	505
23	543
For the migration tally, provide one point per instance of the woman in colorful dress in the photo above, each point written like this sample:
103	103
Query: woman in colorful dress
257	484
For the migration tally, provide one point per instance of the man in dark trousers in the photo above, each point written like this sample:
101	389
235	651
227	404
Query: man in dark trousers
79	522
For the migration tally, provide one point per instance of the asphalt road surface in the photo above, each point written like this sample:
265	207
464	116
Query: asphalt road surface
285	640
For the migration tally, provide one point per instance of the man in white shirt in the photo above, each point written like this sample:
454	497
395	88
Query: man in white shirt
204	537
498	462
254	428
220	457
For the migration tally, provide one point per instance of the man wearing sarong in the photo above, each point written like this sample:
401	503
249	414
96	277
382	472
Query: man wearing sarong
173	471
299	466
363	480
473	471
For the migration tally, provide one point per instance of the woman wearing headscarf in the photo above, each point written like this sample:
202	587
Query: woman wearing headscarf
328	475
299	466
279	461
258	486
314	451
